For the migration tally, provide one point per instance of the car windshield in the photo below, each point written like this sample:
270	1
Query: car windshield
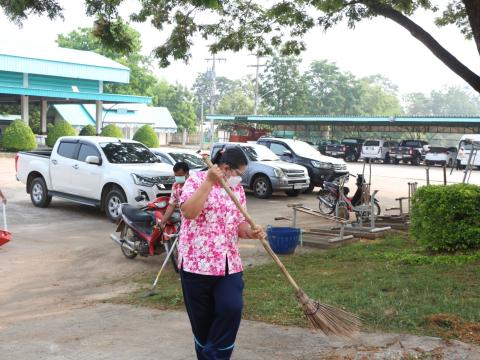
463	144
349	141
260	153
303	149
410	143
372	143
193	161
438	150
128	153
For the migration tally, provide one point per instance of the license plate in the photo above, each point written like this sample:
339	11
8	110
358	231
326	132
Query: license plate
297	186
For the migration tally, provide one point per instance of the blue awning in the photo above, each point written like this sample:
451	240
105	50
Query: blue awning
56	94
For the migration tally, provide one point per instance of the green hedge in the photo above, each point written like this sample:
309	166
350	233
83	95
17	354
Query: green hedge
447	218
88	130
18	136
112	130
146	136
61	128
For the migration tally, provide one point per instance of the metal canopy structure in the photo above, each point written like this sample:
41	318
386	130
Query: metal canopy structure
60	76
433	124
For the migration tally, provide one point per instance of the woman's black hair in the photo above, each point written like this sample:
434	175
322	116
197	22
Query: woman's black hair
232	156
181	165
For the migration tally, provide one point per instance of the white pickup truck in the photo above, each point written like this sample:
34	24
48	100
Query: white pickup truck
98	171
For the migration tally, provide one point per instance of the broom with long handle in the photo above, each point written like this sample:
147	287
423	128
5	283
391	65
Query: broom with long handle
326	318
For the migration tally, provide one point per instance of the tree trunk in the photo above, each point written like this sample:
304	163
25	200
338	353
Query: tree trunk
425	38
473	12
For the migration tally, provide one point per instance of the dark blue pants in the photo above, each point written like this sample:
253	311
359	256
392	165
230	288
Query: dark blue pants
214	306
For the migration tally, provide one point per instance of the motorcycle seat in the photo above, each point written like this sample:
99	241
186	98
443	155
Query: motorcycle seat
137	215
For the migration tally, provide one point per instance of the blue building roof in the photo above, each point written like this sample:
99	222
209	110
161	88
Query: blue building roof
120	114
62	62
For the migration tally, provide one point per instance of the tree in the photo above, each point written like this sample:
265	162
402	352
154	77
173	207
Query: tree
146	136
179	101
450	101
235	103
283	89
378	98
88	130
18	137
61	128
252	25
112	130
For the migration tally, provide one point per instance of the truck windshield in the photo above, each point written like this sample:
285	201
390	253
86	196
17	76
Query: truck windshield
128	153
260	153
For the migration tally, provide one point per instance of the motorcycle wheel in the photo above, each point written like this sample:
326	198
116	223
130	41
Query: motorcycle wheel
378	210
324	199
127	253
174	256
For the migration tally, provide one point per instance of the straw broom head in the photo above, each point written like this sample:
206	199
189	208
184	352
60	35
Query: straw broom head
328	319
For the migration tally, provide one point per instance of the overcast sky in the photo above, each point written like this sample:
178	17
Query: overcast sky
376	46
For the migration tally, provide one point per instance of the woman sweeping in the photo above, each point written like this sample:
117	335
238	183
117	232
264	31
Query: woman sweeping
211	268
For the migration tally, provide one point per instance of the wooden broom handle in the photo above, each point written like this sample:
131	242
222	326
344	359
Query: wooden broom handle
250	220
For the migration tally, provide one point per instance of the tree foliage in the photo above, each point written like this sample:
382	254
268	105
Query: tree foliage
146	136
179	100
88	130
112	130
259	26
18	136
61	128
450	101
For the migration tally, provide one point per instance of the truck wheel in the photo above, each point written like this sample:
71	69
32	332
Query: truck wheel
39	193
416	161
396	161
113	204
350	157
387	159
262	187
292	193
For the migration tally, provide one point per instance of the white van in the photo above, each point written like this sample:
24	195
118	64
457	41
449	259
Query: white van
467	148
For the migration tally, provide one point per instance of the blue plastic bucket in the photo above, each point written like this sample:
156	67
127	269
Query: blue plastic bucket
283	240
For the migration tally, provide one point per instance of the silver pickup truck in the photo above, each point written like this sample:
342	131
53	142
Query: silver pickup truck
266	173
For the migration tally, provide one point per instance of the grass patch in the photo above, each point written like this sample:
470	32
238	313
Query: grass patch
392	285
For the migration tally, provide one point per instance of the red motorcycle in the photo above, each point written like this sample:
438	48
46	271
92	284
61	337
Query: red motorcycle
140	231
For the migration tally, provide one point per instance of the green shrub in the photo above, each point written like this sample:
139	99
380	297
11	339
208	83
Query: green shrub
146	136
18	136
61	128
447	218
112	130
88	130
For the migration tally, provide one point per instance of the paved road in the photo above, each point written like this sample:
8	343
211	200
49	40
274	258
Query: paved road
61	263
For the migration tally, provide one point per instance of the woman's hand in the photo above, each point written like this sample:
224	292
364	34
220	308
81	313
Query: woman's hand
214	174
256	233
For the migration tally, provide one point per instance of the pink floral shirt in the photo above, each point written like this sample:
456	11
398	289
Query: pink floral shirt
175	195
210	239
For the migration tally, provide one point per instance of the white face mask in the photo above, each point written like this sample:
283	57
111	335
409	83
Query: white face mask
233	181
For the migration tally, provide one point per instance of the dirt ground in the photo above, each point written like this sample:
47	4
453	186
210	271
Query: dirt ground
61	264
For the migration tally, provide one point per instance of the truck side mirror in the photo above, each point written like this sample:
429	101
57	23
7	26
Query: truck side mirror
287	153
92	159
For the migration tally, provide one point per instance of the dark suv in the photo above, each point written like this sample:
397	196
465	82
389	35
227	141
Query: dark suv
409	151
320	167
348	149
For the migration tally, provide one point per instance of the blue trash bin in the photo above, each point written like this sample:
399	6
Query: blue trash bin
283	240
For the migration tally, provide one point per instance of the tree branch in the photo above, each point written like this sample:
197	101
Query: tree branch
433	45
473	11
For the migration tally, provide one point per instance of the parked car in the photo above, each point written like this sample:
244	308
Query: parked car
466	144
98	171
412	151
173	155
348	149
377	149
322	145
266	173
441	156
320	167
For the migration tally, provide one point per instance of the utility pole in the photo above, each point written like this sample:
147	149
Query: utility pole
213	89
257	66
201	123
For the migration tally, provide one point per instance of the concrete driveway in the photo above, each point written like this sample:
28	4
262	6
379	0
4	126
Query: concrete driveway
61	264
